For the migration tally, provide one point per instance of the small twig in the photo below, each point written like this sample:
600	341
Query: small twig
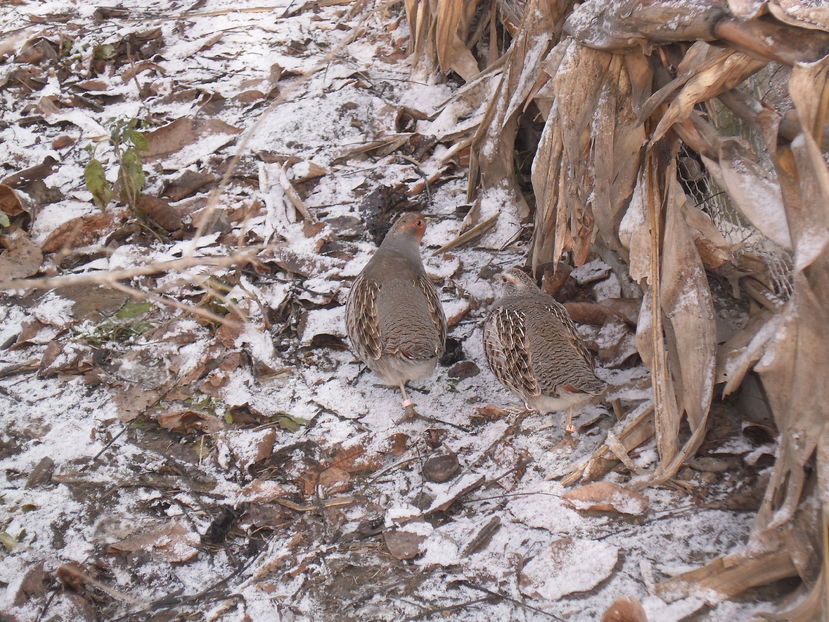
310	507
100	453
46	605
170	302
105	278
449	608
510	599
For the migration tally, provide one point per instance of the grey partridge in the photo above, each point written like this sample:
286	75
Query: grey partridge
394	317
532	347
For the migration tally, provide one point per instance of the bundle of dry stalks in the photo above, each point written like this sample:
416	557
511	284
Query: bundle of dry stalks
690	142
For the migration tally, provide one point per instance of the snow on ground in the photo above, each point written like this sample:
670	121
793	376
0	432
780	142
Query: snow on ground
256	474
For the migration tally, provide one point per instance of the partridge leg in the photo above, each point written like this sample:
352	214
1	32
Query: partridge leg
407	403
570	428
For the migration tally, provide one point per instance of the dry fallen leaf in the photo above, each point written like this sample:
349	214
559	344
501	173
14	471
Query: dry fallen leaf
403	544
491	412
625	609
133	401
567	566
78	232
606	497
187	421
173	542
262	491
202	136
21	258
10	203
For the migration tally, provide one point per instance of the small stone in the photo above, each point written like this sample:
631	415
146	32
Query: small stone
464	369
441	468
42	473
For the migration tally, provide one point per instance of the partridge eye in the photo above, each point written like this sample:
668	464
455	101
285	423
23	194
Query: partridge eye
419	223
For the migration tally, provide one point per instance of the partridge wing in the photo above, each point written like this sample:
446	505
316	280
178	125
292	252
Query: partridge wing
507	351
361	318
435	310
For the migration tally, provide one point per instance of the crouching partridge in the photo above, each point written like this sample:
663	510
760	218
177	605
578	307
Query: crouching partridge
393	315
533	348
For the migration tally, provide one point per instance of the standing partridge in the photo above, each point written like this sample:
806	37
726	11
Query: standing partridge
533	348
393	315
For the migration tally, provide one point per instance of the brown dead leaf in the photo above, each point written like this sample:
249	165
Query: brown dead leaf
335	480
210	134
133	401
396	444
403	544
10	203
173	542
306	170
187	421
262	491
78	232
353	459
28	175
625	609
159	211
21	258
594	313
491	412
607	497
186	184
247	447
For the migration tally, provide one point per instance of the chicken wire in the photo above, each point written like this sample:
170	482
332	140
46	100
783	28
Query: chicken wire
747	241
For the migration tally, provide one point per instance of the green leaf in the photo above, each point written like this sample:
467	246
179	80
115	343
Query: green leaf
139	140
107	51
229	418
131	174
132	310
289	423
96	183
8	541
4	219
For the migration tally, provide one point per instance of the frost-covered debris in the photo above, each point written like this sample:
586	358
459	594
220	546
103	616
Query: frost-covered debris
156	462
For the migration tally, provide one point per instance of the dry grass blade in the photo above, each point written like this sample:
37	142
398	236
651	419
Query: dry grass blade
467	236
728	71
724	578
451	19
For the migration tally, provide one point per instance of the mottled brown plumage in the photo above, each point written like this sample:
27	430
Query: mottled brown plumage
394	317
532	347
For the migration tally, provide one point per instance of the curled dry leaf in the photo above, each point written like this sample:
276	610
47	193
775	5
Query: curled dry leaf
10	203
607	497
625	609
173	542
187	421
78	232
261	491
491	412
567	566
21	258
